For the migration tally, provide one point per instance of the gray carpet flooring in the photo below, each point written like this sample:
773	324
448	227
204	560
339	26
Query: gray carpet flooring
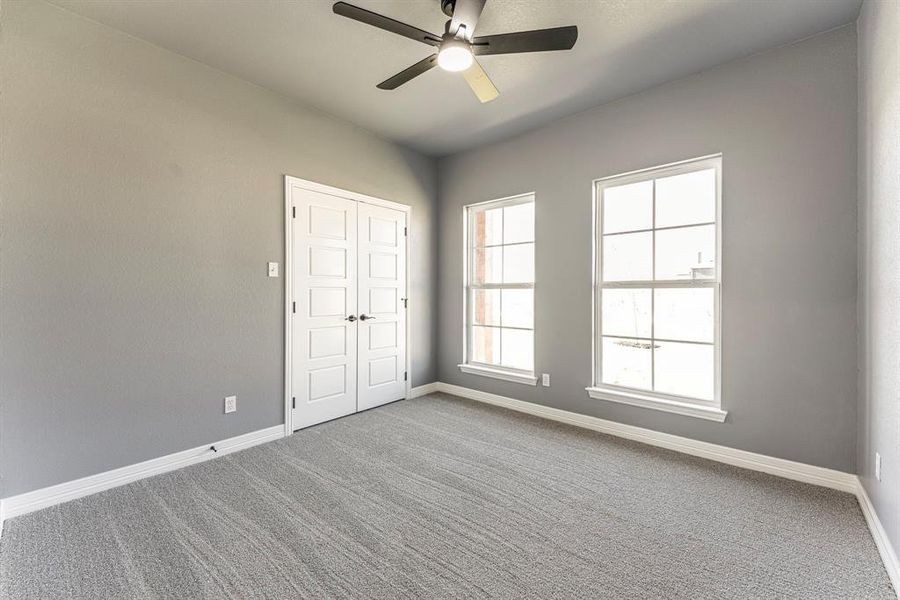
444	498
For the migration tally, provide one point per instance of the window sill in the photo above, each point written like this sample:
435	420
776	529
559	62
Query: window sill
505	375
645	401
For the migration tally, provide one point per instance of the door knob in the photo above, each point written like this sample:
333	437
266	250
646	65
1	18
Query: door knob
365	317
351	318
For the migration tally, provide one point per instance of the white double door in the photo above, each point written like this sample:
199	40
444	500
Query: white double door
348	329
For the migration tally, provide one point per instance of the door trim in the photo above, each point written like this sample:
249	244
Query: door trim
290	181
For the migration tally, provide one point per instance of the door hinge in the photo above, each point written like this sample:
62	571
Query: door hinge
294	402
404	232
405	375
294	212
293	307
405	300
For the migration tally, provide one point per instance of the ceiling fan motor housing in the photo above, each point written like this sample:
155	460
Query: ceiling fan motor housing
447	7
456	49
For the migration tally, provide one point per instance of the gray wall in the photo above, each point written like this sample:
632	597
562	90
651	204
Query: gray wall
142	196
785	121
879	250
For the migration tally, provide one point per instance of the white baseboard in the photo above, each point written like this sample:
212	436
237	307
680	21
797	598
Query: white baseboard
428	388
885	549
70	490
31	501
838	480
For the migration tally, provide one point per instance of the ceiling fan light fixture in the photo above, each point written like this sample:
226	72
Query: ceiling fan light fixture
455	55
457	47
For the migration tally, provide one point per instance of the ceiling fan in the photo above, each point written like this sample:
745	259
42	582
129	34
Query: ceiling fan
457	48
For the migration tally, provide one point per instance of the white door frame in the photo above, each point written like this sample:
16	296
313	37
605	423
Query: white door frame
289	182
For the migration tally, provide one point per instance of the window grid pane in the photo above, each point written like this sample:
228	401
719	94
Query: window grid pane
501	248
688	363
627	362
653	300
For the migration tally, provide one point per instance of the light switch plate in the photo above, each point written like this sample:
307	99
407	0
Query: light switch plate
230	404
878	466
273	269
545	380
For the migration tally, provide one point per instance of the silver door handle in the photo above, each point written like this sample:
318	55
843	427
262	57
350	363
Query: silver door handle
365	317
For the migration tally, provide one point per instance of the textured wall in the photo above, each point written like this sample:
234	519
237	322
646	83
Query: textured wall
142	197
785	121
879	249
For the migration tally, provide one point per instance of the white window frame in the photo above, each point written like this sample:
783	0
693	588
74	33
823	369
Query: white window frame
467	365
694	407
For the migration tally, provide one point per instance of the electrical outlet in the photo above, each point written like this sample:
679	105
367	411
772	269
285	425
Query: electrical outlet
273	269
230	404
878	466
545	380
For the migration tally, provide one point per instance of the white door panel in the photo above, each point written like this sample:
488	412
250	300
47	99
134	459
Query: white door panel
324	342
348	319
382	285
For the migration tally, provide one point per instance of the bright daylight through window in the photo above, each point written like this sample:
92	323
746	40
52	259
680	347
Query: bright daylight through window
657	294
500	289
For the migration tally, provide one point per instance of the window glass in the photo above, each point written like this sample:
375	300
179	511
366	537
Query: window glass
485	345
486	307
488	228
488	265
684	369
518	308
686	199
627	363
518	223
518	349
518	263
626	312
684	314
628	207
628	257
500	284
657	284
686	253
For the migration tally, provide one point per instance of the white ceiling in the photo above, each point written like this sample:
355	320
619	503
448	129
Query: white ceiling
299	48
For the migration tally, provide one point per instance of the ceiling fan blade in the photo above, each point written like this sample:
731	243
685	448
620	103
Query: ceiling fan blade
539	40
408	73
466	14
480	83
369	18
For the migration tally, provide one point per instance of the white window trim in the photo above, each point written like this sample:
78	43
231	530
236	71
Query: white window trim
528	378
649	400
710	410
481	369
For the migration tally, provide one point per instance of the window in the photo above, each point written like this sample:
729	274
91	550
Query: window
500	289
658	288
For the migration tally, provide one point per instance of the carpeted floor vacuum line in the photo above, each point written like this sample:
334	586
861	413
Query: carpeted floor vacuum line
445	498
